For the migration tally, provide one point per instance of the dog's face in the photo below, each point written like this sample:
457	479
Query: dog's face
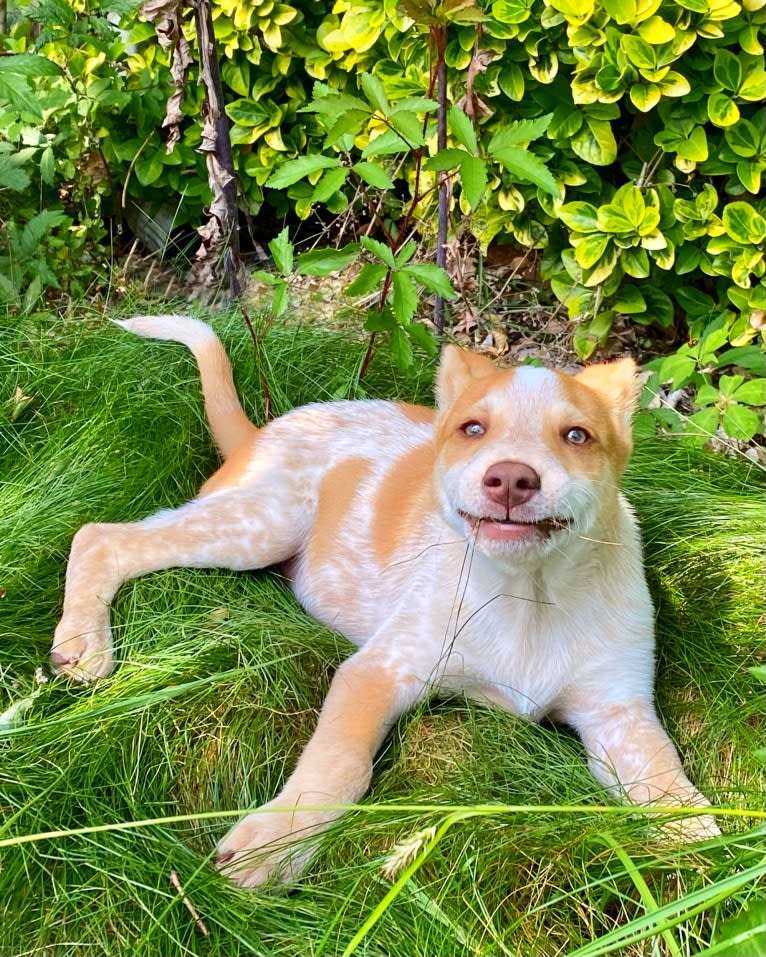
527	457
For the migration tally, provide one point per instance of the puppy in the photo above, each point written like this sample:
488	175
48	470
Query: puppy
482	548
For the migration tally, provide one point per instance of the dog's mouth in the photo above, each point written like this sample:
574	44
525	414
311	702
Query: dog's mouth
512	529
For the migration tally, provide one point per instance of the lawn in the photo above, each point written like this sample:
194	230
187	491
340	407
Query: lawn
482	834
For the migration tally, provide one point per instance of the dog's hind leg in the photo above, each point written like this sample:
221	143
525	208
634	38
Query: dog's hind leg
240	529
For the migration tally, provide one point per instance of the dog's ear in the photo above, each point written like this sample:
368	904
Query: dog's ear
457	369
618	384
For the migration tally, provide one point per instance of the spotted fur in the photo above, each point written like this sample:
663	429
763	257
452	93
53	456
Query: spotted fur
483	548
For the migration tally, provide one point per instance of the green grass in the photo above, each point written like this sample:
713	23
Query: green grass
495	838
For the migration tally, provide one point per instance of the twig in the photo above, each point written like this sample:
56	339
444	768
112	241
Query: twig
188	905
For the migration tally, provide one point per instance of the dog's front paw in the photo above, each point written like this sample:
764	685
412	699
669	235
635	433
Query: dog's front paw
689	830
82	653
272	845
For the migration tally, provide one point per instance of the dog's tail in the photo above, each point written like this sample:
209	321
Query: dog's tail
227	419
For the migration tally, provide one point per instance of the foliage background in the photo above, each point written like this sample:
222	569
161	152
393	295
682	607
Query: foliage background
640	181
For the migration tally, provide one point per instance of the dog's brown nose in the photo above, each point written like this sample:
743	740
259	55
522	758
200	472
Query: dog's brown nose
511	483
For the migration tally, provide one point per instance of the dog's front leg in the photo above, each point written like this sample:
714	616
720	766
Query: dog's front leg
630	752
276	842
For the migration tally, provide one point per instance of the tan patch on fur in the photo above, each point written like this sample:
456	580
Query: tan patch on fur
614	441
405	495
336	491
419	414
233	470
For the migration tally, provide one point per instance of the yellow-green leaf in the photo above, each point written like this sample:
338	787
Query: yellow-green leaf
722	110
655	30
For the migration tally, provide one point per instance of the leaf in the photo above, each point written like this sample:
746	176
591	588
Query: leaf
433	277
12	177
373	174
473	179
461	127
722	110
659	306
693	301
354	121
329	185
448	158
38	228
645	96
751	358
744	934
655	30
334	105
385	144
590	249
630	301
526	167
579	216
281	250
281	299
614	219
15	89
595	143
640	53
743	223
370	278
518	132
296	169
604	269
373	90
621	11
743	139
705	420
741	422
754	83
727	70
29	64
401	349
752	392
380	320
409	127
422	336
379	250
325	261
47	167
405	299
695	147
677	370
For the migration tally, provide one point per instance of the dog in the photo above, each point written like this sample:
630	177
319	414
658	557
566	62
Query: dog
483	548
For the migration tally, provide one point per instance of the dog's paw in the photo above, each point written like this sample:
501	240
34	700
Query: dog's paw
689	830
271	846
83	654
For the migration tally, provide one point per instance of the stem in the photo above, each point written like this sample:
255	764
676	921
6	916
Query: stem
439	38
220	235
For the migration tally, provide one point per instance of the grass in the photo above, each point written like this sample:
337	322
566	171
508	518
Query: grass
482	834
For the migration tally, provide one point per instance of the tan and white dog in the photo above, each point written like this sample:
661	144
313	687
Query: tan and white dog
482	548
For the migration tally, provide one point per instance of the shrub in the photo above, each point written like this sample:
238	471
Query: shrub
647	117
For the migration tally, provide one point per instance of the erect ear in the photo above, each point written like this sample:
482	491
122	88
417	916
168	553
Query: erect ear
457	369
618	384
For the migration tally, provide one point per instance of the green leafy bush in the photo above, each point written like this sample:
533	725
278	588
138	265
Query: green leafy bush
624	139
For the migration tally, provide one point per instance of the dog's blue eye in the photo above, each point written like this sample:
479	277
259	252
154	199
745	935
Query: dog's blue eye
576	436
473	429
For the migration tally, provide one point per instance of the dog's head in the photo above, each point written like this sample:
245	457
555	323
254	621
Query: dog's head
527	457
